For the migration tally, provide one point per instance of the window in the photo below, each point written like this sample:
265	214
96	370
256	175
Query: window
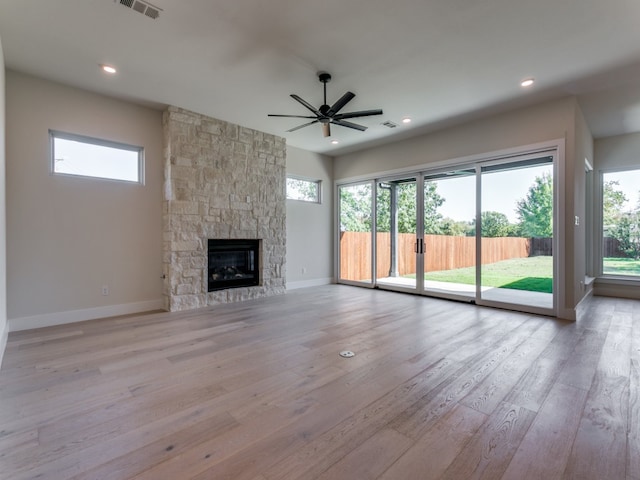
303	189
621	223
92	157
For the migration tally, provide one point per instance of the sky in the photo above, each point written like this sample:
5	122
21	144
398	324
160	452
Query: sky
76	158
500	192
629	184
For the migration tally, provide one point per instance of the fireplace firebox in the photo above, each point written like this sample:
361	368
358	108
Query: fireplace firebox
233	264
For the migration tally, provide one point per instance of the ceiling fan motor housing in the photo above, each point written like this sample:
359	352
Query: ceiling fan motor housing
324	77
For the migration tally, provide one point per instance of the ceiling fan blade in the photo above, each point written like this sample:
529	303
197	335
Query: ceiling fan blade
302	126
362	113
290	116
343	123
326	130
306	104
336	107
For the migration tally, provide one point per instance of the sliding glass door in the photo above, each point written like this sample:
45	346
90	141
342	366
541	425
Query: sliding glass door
396	227
449	233
482	232
516	235
356	241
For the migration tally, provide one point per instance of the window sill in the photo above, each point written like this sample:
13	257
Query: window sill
617	280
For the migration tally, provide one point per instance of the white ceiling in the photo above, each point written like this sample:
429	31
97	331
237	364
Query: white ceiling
439	62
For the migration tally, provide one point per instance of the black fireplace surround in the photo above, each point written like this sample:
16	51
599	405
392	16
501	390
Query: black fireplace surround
233	264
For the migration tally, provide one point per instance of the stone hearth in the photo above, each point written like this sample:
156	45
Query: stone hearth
222	181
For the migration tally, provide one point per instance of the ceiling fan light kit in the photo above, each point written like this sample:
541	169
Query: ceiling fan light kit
327	115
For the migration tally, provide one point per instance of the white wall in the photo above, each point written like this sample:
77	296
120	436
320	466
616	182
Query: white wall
67	237
620	151
3	230
309	225
545	122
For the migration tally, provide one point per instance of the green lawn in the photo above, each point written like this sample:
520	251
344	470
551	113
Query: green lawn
534	274
620	266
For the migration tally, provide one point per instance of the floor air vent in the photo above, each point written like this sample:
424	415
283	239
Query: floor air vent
142	7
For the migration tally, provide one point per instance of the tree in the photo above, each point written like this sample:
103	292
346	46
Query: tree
627	232
432	200
355	208
407	208
535	211
624	226
453	228
515	230
495	224
299	189
613	201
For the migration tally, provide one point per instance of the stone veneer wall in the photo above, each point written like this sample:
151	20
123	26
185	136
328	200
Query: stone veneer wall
221	181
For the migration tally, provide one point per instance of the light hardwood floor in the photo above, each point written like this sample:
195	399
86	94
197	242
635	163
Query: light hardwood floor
257	391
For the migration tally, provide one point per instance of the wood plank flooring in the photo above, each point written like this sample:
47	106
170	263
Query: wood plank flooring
257	391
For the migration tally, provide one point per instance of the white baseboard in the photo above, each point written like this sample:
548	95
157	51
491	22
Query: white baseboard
616	290
583	303
72	316
3	342
316	282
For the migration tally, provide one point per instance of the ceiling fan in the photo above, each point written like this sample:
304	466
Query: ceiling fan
327	115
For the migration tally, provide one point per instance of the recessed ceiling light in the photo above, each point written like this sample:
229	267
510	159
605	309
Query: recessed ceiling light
406	120
527	83
335	142
108	69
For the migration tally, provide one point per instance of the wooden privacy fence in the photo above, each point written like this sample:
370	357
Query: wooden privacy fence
540	246
611	248
442	252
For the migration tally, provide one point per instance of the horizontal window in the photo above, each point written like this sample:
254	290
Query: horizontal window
92	157
303	189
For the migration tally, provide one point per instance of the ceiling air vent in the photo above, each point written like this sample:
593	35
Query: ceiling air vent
142	7
389	124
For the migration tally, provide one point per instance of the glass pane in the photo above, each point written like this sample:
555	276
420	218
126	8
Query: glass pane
355	232
621	223
450	250
396	233
304	190
517	233
72	157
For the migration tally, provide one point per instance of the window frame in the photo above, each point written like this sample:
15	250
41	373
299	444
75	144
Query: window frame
315	181
56	134
589	220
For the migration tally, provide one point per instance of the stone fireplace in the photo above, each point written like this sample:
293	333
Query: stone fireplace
222	182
